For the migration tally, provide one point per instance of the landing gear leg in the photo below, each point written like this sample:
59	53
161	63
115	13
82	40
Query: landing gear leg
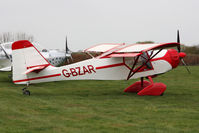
25	91
138	86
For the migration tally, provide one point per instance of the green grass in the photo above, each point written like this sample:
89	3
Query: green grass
101	106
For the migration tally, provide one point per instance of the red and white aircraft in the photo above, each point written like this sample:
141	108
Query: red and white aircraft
117	62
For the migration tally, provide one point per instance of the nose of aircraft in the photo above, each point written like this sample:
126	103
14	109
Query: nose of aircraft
175	57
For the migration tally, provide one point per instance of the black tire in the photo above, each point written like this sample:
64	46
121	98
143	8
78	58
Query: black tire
10	76
26	92
162	94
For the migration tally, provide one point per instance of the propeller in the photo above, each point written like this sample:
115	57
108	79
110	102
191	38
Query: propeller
66	46
181	54
68	52
178	41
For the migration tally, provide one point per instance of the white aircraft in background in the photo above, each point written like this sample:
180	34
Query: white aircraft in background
117	62
55	57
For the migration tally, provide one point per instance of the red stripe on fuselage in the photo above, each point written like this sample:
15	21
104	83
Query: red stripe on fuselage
109	66
48	76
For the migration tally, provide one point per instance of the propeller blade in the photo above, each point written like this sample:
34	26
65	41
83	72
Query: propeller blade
66	46
68	55
178	40
183	62
178	36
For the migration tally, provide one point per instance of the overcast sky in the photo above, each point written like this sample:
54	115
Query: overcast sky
90	22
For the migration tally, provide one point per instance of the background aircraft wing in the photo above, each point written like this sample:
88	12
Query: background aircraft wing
6	69
6	54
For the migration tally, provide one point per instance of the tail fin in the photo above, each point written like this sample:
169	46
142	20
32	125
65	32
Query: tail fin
25	59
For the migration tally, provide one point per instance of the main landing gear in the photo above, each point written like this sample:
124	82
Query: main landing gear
25	91
145	87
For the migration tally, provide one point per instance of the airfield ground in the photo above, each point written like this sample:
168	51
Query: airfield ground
101	106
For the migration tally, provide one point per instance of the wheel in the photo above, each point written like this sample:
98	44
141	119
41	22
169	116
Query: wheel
162	94
10	76
26	92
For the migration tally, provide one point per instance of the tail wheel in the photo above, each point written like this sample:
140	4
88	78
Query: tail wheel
26	92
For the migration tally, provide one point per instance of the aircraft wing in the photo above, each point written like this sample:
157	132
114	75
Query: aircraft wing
103	47
123	50
144	47
6	69
123	55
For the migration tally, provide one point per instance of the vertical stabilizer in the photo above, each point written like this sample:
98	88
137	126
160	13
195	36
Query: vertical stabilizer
24	57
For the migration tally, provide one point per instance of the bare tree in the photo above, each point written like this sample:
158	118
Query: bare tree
10	37
145	42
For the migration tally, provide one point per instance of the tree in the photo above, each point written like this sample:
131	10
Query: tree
144	42
191	49
10	37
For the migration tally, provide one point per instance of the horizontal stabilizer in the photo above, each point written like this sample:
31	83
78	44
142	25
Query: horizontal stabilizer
36	68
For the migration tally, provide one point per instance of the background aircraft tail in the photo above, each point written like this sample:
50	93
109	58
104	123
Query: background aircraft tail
25	59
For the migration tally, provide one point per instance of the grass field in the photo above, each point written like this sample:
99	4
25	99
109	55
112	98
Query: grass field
101	106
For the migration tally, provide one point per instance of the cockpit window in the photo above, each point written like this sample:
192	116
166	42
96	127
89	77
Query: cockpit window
44	50
142	60
145	60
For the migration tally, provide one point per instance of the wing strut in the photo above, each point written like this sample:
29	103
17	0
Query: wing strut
136	60
131	73
7	56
